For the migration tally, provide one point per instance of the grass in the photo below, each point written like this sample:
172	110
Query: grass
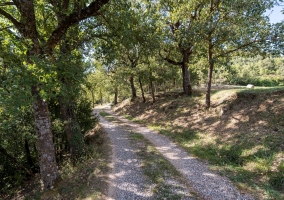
104	114
108	116
250	153
159	170
249	165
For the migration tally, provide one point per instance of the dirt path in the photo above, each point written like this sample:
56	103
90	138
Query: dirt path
126	180
205	183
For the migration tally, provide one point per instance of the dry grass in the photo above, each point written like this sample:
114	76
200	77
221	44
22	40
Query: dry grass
245	142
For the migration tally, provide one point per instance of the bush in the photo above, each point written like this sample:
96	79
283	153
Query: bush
84	115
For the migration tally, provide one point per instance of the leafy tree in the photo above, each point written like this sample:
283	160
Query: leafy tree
180	36
40	28
226	27
133	27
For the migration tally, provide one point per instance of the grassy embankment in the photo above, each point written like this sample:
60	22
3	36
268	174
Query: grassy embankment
241	135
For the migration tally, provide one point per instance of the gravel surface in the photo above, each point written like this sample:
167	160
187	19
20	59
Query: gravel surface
126	180
206	183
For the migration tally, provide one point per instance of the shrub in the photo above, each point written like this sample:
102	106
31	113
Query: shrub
84	115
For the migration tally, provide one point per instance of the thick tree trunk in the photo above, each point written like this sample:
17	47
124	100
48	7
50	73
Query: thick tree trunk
142	91
209	77
185	75
45	146
133	89
115	96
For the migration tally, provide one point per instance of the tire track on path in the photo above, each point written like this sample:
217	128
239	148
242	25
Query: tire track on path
206	183
126	180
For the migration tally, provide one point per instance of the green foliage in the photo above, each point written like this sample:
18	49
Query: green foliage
256	71
14	130
84	115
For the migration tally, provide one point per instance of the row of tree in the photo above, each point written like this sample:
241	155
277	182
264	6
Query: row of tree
46	45
197	37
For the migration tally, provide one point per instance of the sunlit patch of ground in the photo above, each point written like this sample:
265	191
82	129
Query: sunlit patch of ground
245	140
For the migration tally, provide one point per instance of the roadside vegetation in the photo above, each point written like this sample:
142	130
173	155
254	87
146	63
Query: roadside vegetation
58	59
86	179
241	136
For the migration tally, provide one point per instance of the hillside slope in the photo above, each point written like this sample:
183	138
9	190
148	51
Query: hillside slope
241	135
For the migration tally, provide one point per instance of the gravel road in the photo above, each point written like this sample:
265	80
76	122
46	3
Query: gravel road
204	182
126	180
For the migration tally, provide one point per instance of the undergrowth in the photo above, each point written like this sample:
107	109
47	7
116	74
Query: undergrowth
80	180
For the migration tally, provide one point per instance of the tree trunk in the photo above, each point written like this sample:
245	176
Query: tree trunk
187	90
133	89
101	96
115	95
14	160
45	146
72	129
93	98
152	90
142	91
209	77
29	158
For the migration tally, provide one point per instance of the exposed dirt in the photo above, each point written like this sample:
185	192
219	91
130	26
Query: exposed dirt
251	119
231	113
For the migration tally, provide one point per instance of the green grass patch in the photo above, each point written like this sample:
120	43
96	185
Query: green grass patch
108	116
133	119
261	90
242	91
104	114
248	164
158	170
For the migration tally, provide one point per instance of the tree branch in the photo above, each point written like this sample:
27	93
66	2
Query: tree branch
72	19
7	4
18	25
13	160
16	3
238	48
170	60
2	29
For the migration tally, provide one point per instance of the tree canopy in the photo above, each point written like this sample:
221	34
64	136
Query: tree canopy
57	58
